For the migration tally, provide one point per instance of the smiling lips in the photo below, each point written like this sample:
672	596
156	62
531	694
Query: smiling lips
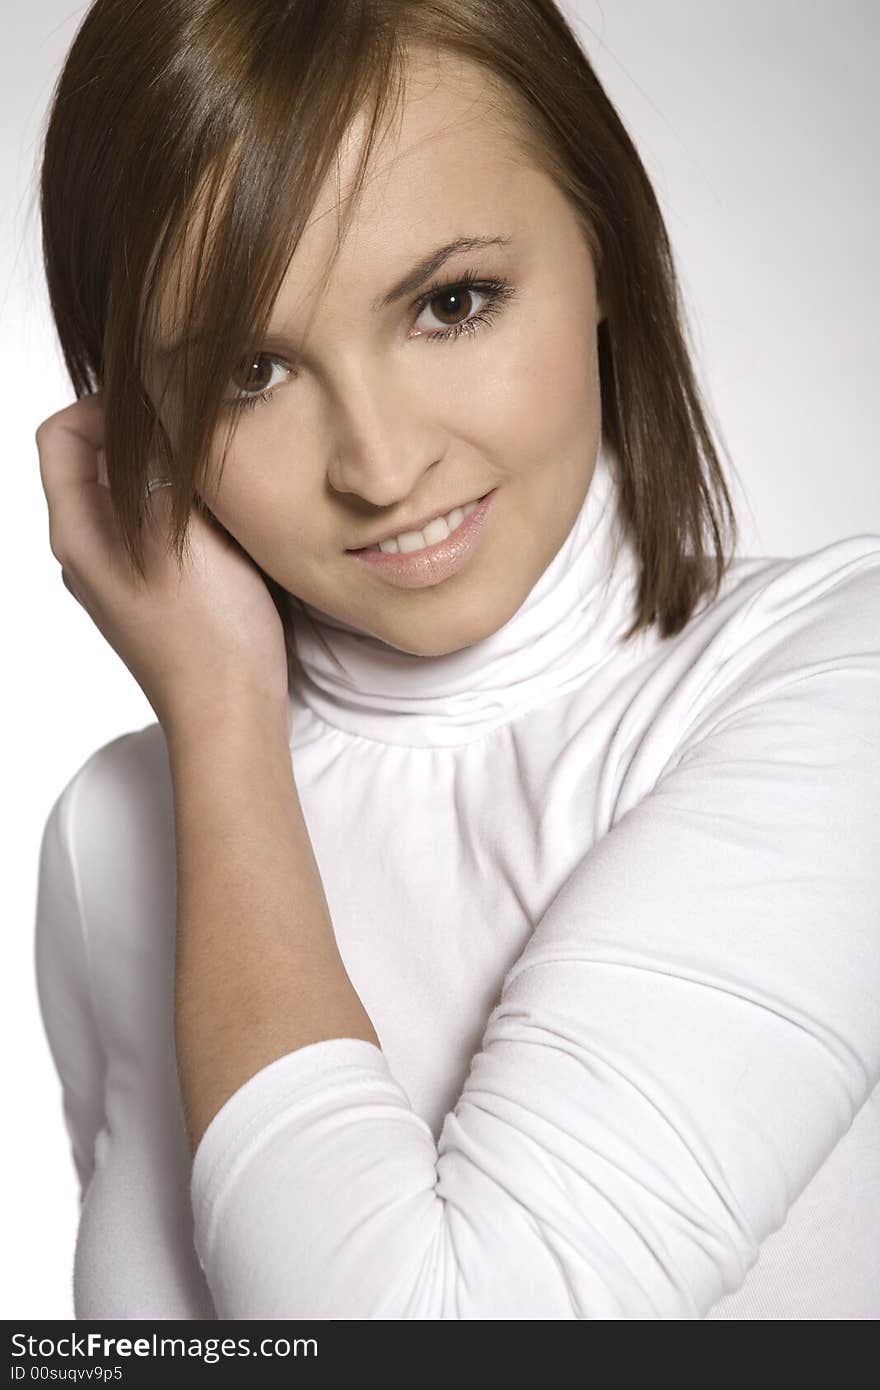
415	561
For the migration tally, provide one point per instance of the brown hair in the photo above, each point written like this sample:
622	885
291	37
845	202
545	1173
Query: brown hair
244	103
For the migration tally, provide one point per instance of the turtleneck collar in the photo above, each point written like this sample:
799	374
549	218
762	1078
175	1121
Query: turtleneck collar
568	625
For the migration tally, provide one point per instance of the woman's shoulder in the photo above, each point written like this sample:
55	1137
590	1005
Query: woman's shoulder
775	616
125	777
789	647
765	588
113	817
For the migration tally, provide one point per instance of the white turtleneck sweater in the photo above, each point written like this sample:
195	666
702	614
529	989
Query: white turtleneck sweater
614	911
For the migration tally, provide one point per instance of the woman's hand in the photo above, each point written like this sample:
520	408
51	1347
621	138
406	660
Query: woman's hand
199	642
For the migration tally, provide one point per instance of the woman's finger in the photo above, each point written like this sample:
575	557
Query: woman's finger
68	444
79	429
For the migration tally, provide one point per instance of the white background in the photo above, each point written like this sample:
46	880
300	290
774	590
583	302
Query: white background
757	123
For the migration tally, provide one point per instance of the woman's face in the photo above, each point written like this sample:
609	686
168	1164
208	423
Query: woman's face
374	421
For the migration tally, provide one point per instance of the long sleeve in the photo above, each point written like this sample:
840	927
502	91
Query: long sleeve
691	1028
63	988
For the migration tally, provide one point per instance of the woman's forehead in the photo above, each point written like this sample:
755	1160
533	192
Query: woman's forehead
450	169
449	180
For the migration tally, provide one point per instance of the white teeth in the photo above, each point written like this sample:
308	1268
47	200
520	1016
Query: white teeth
436	530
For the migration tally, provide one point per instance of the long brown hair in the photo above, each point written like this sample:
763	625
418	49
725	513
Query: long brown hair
239	107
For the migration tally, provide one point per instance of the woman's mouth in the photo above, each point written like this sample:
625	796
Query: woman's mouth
418	563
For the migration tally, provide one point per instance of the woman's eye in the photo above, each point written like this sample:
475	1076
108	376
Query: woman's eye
456	305
257	372
452	307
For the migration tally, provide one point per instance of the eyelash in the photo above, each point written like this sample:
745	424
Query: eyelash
498	292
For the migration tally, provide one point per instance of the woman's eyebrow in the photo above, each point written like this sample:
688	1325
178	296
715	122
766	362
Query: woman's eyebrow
431	263
412	280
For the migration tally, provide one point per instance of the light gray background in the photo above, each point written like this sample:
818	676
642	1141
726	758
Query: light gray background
757	123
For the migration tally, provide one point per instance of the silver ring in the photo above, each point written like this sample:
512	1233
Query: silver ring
155	483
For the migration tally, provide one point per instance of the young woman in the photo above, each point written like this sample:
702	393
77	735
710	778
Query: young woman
488	925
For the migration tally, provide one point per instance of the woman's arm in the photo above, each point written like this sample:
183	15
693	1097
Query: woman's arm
258	971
